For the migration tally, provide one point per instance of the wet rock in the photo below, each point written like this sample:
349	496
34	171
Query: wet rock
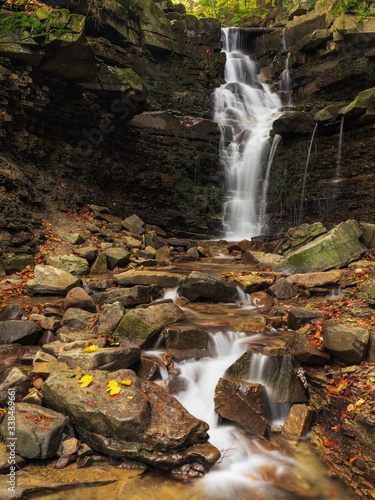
311	280
148	367
79	298
199	286
6	460
299	316
262	299
22	332
141	326
18	263
254	324
87	253
177	384
305	352
11	311
346	342
109	319
278	374
187	338
50	280
38	431
77	318
297	422
282	289
147	425
70	263
334	249
134	277
244	403
250	283
13	378
293	123
127	297
100	265
240	246
117	257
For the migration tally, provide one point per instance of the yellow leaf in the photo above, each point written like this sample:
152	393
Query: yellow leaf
126	382
112	384
85	381
114	391
130	397
91	348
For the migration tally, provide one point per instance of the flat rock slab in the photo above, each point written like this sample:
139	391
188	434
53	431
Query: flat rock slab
70	263
187	338
21	332
165	280
38	431
127	297
311	280
143	422
199	286
299	316
334	249
346	342
50	280
104	358
250	283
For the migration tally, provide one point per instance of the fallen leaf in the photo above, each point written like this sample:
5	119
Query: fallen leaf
85	381
354	458
91	348
126	382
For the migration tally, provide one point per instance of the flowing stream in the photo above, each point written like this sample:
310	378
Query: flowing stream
244	109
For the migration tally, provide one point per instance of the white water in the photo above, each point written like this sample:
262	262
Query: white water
285	84
301	212
244	109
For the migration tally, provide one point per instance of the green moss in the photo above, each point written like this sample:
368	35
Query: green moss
132	328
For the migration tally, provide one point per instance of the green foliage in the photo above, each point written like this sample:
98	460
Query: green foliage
361	8
22	23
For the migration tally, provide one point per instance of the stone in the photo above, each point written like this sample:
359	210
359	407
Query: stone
22	332
11	311
87	253
250	283
117	257
186	338
108	358
282	289
13	378
254	324
127	297
261	259
134	219
109	319
368	234
244	403
42	356
303	350
330	113
193	252
75	239
77	318
361	103
50	280
148	367
297	422
18	263
278	375
70	263
163	254
45	368
199	286
141	326
301	235
33	398
70	446
162	279
6	460
241	246
100	265
262	299
3	272
39	431
346	342
334	249
132	242
79	298
292	123
312	280
129	426
156	229
51	323
154	241
299	316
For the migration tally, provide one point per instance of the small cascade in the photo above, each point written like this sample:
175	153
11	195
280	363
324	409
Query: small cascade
275	143
244	109
285	84
301	211
338	169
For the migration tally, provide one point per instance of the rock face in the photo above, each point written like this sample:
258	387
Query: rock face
346	342
335	249
244	403
199	286
50	280
143	422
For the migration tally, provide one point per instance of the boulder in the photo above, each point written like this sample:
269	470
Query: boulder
51	323
346	342
282	289
22	332
154	241
297	422
126	296
100	265
77	318
78	297
11	311
186	338
70	263
304	352
292	123
38	433
50	280
162	279
364	101
250	283
301	235
109	319
277	375
140	327
368	234
75	239
312	280
163	254
104	358
133	243
262	299
199	286
87	253
18	263
244	403
330	113
299	316
117	257
261	259
13	378
334	249
143	422
255	324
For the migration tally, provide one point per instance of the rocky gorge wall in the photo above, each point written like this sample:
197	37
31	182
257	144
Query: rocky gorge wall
70	84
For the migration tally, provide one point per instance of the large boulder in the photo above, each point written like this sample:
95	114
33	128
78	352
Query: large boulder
78	297
303	350
159	278
335	249
143	422
77	318
109	319
293	123
117	257
244	403
199	286
368	234
346	342
70	263
50	280
301	235
186	338
141	326
22	332
104	358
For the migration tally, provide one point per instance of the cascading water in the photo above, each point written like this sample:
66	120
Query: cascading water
244	109
285	84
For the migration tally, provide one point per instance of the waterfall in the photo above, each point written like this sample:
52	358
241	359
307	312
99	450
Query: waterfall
285	84
244	109
305	174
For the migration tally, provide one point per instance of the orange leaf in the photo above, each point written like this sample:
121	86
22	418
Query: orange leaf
354	458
